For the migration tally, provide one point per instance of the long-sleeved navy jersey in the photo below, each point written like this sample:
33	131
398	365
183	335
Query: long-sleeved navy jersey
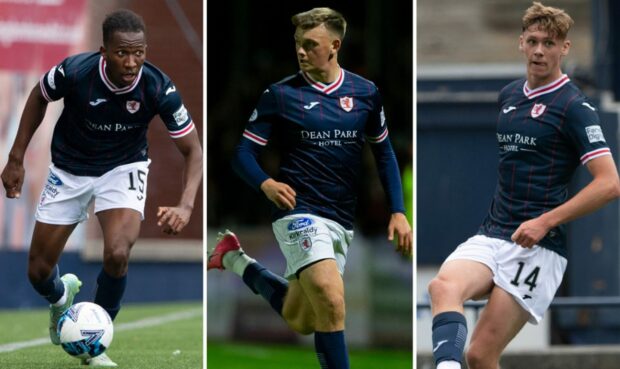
543	135
321	129
103	126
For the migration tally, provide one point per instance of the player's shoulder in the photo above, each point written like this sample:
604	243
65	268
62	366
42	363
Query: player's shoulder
79	64
154	77
577	101
358	83
293	81
515	86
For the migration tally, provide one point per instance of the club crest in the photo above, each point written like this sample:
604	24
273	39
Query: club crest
305	243
346	103
132	106
538	110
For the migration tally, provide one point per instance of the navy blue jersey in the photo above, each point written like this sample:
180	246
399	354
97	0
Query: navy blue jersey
320	130
103	126
543	135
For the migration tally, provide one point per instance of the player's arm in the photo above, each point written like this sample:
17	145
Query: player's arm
174	219
245	164
389	174
254	139
377	135
604	187
32	116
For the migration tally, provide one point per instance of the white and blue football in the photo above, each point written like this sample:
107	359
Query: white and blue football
85	330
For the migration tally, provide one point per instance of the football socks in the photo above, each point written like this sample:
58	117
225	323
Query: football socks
109	292
449	335
331	350
236	262
52	289
270	286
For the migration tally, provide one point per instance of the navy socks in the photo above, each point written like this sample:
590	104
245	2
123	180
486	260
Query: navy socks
52	288
270	286
331	350
109	292
449	335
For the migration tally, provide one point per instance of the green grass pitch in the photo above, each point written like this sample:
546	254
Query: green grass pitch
146	336
253	356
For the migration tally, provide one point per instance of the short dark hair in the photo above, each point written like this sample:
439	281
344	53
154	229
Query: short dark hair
122	20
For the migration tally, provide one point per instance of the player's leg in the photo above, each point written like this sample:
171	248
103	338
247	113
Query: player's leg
324	288
457	281
48	241
121	228
63	204
297	310
228	254
120	195
500	321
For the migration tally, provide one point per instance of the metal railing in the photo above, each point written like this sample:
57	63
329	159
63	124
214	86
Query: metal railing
558	302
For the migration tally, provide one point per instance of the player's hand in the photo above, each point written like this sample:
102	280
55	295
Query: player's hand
13	179
173	219
530	233
279	193
400	226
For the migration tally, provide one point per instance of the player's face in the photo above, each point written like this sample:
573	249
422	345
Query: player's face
316	49
543	54
124	54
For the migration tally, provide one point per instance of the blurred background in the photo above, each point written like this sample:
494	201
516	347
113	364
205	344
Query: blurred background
250	45
34	36
466	52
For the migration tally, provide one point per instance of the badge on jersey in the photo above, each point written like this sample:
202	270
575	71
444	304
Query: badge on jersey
538	110
595	134
50	78
132	106
346	103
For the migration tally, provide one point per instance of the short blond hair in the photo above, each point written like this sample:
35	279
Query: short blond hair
556	22
333	20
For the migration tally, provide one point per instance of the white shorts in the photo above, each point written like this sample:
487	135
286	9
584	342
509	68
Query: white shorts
66	197
531	276
305	239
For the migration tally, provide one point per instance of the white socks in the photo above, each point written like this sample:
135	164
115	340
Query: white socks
236	262
62	299
449	364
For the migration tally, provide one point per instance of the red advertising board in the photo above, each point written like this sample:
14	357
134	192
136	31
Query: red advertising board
36	34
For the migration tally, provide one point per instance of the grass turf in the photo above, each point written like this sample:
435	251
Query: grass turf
176	344
252	356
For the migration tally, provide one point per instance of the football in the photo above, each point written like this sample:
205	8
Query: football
85	330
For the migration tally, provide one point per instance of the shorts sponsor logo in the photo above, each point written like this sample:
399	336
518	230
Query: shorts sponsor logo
180	116
50	190
54	180
300	223
305	243
595	134
305	232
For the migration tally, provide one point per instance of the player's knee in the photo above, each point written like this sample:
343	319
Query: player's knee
38	272
439	287
299	321
115	262
478	358
300	326
333	307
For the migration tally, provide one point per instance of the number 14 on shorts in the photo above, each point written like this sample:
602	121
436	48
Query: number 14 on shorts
529	280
